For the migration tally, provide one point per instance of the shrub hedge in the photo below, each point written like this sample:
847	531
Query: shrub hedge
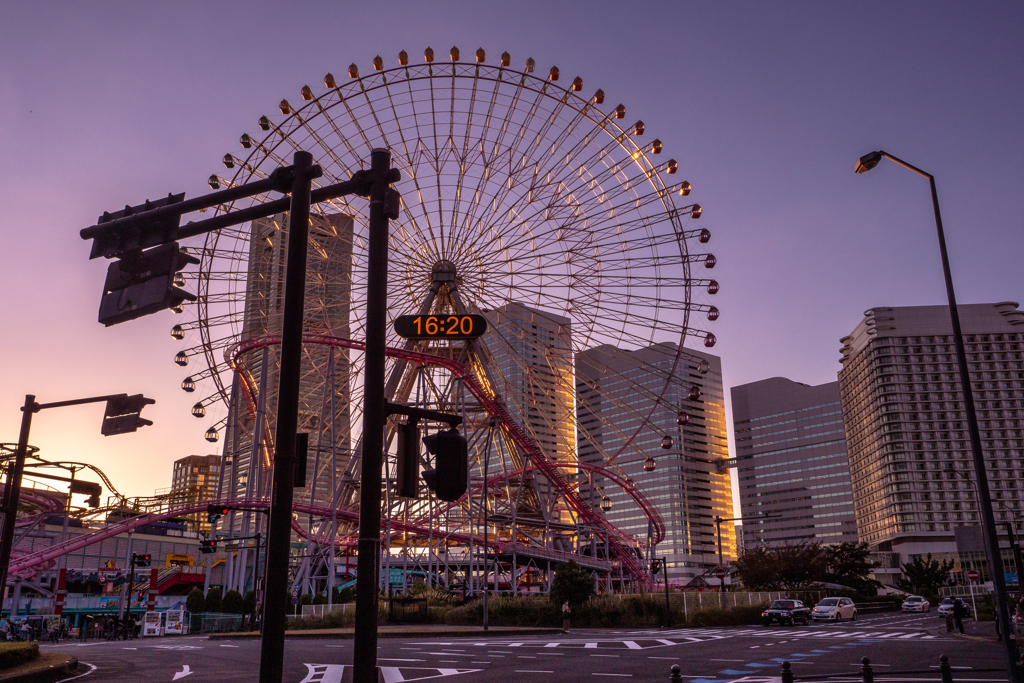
13	654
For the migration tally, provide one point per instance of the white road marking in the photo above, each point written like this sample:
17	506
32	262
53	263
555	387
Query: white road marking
80	675
185	671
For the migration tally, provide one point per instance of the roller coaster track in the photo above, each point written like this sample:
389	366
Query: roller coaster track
29	561
621	544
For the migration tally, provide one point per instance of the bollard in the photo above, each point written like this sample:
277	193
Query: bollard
866	674
675	677
945	669
787	672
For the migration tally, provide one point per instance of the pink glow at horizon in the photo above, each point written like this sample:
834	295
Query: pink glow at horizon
766	107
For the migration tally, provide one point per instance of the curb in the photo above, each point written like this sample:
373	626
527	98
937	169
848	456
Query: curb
349	634
45	671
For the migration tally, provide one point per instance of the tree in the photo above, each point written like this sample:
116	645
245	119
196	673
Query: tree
249	602
849	565
572	583
924	576
233	602
788	566
214	601
195	603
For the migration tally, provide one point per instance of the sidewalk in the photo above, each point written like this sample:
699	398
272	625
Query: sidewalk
50	666
402	631
974	630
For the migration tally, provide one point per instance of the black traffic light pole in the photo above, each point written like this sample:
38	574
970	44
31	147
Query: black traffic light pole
15	471
280	521
364	659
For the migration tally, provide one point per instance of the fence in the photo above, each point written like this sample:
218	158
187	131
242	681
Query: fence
690	600
866	674
214	622
321	610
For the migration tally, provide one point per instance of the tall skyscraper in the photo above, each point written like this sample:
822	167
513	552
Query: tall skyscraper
906	427
531	369
628	402
327	311
791	461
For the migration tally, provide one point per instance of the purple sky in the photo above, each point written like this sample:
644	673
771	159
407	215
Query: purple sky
765	105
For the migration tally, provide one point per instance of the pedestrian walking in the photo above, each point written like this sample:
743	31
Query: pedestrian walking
1018	616
566	614
959	612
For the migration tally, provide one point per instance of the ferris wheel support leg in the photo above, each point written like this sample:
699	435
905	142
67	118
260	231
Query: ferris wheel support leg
364	660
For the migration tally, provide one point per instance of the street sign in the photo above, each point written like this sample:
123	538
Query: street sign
720	573
972	575
440	326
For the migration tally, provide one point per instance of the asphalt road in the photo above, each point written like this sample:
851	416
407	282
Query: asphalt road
753	654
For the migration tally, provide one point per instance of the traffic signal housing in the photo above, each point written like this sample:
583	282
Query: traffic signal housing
301	454
407	475
122	414
655	566
208	546
450	476
142	282
215	511
142	560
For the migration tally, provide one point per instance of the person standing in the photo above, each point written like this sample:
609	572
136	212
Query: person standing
959	612
566	614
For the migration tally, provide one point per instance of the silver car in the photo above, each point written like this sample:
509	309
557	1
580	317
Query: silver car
915	603
834	609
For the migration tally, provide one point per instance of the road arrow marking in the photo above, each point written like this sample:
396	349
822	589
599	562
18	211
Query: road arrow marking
185	671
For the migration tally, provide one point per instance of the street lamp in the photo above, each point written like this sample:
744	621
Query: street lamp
864	164
721	559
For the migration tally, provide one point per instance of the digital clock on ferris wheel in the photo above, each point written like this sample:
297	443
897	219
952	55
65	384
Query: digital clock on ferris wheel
440	326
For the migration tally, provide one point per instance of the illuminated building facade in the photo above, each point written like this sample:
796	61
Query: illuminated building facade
791	461
531	368
628	402
194	479
906	427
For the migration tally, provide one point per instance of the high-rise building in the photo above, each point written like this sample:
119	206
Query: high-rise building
631	402
906	426
327	311
531	368
194	480
791	462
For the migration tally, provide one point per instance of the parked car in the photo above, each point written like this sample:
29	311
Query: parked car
834	609
786	612
915	603
946	607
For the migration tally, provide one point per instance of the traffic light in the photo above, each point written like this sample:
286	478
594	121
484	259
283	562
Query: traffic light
141	560
301	451
208	546
215	511
655	566
142	282
122	414
450	476
408	460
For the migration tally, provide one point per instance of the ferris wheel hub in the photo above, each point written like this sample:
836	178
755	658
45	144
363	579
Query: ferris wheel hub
443	271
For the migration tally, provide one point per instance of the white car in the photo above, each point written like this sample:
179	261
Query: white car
946	607
915	603
834	609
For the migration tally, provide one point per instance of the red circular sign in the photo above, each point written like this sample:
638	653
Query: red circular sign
720	572
972	575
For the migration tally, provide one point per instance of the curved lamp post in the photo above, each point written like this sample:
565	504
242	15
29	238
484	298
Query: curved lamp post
865	164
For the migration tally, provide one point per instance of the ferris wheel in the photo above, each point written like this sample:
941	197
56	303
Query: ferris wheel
525	200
